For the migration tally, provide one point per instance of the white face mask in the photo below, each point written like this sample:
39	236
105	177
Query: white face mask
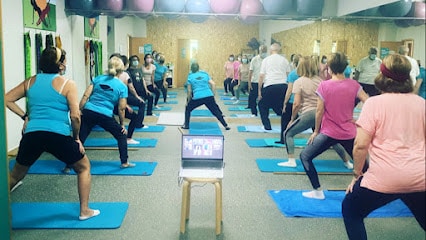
245	60
231	59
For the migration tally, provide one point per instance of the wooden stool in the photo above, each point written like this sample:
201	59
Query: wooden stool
186	199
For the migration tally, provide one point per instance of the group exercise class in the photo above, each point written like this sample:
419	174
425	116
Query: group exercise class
213	119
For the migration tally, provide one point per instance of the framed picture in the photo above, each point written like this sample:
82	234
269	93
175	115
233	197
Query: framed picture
40	14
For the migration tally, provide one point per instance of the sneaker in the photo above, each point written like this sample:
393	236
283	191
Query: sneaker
132	141
152	114
66	170
236	102
233	98
16	186
348	165
95	213
247	108
184	127
253	115
127	165
279	142
227	128
315	194
145	126
287	164
156	107
266	129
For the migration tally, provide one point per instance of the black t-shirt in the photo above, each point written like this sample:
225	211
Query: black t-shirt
136	78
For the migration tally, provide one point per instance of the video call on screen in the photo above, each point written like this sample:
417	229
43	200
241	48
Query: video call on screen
202	147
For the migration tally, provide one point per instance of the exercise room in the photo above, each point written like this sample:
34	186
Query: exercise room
212	119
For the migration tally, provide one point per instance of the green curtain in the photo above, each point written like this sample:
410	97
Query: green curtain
27	52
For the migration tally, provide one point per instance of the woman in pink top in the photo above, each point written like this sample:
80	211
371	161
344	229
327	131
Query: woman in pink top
229	74
391	130
333	119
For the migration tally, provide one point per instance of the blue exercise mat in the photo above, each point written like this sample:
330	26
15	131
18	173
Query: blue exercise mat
206	128
328	166
258	129
64	215
201	113
291	203
239	109
236	104
162	109
230	98
270	142
153	128
98	167
168	102
111	142
170	93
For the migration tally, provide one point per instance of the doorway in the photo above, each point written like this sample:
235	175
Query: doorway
187	54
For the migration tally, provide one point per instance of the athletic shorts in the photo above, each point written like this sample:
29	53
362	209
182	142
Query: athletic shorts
33	144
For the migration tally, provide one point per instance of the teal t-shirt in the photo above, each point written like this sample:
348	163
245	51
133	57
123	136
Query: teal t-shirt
422	90
107	91
160	70
199	82
292	77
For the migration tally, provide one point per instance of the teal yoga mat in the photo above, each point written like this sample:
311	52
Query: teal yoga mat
229	98
163	108
328	166
64	215
206	128
168	102
236	104
291	203
98	167
270	142
239	109
111	142
153	128
201	113
258	129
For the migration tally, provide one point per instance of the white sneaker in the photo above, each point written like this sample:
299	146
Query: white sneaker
253	115
348	165
236	102
132	141
145	127
315	194
266	130
233	98
156	107
16	186
287	164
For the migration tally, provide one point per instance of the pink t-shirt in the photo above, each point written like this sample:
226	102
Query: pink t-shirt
229	69
396	124
236	66
339	102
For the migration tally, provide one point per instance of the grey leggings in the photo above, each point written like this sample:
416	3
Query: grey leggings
302	123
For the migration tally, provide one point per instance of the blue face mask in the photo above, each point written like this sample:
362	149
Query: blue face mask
372	56
135	63
245	60
231	59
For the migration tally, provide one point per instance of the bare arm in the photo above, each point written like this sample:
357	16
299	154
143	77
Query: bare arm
356	75
261	78
86	96
297	103
14	95
362	96
133	91
122	104
70	92
212	86
287	95
189	93
417	86
249	81
318	119
360	152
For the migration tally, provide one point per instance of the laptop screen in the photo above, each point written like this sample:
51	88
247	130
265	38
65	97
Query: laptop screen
202	147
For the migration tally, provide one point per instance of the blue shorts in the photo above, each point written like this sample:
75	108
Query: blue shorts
33	144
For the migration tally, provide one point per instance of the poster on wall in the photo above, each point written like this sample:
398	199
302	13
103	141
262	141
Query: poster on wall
147	48
40	14
91	27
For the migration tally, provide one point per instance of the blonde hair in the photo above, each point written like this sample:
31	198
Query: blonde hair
307	67
115	66
399	65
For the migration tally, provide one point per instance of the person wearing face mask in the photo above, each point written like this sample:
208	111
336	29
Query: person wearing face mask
47	126
136	77
160	78
243	76
367	70
229	74
148	73
323	69
235	80
253	83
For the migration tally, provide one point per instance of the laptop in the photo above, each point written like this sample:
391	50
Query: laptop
202	156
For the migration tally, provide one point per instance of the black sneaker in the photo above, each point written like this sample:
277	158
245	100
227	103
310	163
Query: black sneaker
279	142
184	127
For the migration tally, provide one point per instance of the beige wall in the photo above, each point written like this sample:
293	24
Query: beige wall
358	35
217	39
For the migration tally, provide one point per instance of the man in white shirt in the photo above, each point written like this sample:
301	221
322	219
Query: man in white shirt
272	84
415	70
367	70
253	84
